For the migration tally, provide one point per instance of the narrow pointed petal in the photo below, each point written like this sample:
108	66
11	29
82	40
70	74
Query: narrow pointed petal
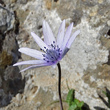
30	67
48	34
72	38
32	52
38	40
64	52
30	62
67	36
61	34
35	66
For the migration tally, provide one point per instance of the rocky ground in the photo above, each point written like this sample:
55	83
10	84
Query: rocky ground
86	66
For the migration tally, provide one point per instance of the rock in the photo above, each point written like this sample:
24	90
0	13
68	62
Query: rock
4	98
5	59
9	78
7	19
22	1
85	67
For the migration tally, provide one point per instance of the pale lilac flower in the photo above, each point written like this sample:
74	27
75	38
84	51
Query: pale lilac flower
53	49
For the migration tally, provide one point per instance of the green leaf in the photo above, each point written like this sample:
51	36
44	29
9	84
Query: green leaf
73	106
70	96
79	103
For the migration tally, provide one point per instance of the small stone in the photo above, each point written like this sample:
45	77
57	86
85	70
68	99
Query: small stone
48	4
13	1
22	1
108	22
18	97
38	104
93	11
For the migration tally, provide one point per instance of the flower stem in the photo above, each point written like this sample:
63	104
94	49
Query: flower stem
59	85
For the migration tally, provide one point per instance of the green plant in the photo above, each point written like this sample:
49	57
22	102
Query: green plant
74	104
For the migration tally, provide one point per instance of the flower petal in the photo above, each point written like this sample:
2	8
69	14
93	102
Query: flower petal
38	40
67	36
64	52
48	34
30	67
72	38
61	34
30	62
35	66
32	52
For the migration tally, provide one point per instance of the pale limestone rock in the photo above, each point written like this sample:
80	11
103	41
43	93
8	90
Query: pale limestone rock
84	65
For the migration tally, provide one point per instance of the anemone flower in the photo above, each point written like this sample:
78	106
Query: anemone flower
53	50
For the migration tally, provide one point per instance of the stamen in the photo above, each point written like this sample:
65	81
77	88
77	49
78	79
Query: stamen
53	54
53	41
43	55
52	45
58	49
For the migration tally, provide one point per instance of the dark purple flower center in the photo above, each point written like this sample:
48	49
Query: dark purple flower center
52	54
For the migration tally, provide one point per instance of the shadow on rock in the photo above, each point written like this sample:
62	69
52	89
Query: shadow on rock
85	107
107	103
11	83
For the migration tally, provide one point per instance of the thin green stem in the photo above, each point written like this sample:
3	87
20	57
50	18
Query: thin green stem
67	84
59	85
